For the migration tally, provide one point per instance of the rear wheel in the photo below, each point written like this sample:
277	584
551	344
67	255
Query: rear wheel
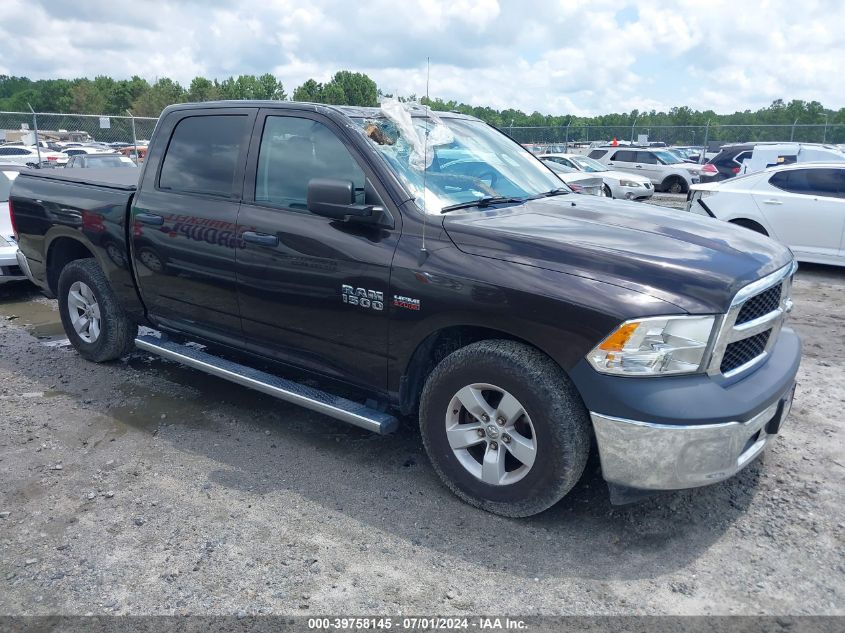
93	320
504	427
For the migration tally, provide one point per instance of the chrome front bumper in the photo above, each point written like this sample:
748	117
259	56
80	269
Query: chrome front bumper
652	456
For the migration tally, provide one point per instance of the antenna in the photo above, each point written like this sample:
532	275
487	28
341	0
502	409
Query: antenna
423	252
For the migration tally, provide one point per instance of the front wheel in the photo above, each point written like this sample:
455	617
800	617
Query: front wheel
675	185
92	318
504	427
608	193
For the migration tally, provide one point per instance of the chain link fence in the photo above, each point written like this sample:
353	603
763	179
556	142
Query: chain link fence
87	128
696	135
74	128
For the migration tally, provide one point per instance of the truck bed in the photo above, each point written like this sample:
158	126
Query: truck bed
123	179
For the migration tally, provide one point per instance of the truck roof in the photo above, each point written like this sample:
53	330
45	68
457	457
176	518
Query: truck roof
349	111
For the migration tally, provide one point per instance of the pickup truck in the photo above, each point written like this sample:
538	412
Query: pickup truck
413	264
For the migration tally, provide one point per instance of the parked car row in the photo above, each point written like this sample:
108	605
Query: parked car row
744	158
31	156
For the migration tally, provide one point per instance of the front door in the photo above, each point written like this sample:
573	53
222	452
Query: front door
183	222
313	291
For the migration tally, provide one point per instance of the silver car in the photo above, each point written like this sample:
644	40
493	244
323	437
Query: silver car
617	184
9	269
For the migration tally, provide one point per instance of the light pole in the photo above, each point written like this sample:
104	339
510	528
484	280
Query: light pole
632	128
824	137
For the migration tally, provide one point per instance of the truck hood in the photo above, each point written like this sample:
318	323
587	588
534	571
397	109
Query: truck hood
695	263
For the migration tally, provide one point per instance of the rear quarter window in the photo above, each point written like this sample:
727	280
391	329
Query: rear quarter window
597	153
203	154
625	156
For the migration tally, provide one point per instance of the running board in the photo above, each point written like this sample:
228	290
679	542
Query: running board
308	397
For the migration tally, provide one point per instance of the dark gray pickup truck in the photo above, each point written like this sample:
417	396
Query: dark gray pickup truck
427	266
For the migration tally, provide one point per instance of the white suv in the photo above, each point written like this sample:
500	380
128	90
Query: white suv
664	169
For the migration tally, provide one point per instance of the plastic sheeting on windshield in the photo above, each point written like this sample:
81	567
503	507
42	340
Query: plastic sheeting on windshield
421	140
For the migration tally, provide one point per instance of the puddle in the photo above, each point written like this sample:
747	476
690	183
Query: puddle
147	408
24	306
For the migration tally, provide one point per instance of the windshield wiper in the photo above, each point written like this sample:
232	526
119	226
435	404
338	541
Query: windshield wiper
554	192
481	202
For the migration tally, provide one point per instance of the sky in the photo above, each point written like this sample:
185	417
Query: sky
582	57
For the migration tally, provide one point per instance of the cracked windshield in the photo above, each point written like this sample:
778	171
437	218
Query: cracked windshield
448	161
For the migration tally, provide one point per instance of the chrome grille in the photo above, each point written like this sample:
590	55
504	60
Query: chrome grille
744	351
760	305
751	326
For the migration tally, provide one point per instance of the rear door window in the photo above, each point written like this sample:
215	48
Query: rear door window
204	153
647	157
829	183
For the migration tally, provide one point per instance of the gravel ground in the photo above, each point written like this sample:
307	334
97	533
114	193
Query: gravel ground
141	487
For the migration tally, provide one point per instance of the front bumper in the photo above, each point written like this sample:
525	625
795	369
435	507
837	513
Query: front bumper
632	193
651	456
687	431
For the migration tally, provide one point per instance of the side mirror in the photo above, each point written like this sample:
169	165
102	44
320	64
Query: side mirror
335	199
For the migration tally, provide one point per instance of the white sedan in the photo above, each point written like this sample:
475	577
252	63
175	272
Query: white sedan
617	184
578	181
66	154
21	155
800	205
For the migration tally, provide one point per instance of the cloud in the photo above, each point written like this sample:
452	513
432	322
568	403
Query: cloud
553	56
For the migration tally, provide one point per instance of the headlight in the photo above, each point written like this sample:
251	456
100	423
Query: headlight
655	346
629	183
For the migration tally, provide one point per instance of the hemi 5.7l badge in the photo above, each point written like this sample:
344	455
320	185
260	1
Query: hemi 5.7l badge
362	297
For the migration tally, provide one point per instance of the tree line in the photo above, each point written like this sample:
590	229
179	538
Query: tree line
105	95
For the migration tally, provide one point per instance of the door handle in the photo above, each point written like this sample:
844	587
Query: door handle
638	166
772	201
262	239
149	218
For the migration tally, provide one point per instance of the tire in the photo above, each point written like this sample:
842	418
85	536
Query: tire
85	292
675	185
751	225
553	420
608	193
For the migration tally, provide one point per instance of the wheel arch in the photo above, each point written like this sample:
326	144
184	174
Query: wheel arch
61	250
438	345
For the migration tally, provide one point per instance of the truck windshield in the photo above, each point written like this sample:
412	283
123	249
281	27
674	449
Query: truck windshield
464	160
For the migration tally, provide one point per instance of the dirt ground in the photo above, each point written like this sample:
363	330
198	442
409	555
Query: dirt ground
143	487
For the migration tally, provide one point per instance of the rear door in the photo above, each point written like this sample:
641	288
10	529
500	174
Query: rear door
184	221
624	160
805	208
313	291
